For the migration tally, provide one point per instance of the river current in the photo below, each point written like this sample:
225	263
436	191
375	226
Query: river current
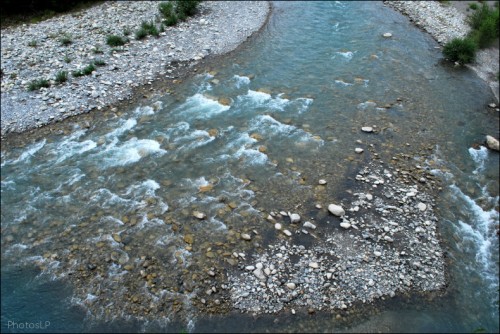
252	134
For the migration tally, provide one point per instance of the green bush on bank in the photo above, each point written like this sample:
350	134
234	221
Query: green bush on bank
485	28
179	10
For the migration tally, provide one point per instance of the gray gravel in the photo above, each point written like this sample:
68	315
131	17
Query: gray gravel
218	28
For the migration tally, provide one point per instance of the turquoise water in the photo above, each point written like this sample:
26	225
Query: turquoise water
252	134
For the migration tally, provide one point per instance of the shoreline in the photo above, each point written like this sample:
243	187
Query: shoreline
444	23
162	61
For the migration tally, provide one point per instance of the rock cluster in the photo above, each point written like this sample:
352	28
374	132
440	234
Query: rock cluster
388	245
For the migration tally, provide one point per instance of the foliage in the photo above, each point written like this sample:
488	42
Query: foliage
473	6
85	71
65	40
462	50
67	59
141	33
150	28
114	40
32	43
182	10
61	76
485	29
37	84
99	62
97	49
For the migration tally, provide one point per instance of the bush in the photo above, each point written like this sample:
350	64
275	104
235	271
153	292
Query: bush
166	9
479	16
462	50
171	21
114	40
473	6
141	33
150	28
37	84
61	76
85	71
32	43
65	40
99	62
186	7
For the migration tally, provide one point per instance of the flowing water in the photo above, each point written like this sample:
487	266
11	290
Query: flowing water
251	135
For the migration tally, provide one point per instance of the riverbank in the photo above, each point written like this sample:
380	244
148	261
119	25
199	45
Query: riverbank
217	29
445	22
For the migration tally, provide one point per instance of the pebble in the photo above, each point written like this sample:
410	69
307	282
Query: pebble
322	182
345	225
291	286
367	129
387	35
287	233
246	236
422	206
314	265
336	210
358	150
278	226
199	215
294	218
309	225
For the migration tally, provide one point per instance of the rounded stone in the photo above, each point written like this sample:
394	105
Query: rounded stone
336	210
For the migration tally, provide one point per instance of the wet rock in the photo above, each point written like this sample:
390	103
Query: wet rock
367	129
278	226
358	150
199	215
189	239
336	210
287	233
309	225
117	238
492	143
387	35
322	182
246	236
294	218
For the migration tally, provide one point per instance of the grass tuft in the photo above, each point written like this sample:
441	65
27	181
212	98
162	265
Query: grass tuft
114	40
37	84
61	76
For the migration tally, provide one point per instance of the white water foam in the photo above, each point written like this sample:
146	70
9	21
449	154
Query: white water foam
344	54
130	152
68	149
241	81
124	127
479	157
343	83
260	99
28	152
200	107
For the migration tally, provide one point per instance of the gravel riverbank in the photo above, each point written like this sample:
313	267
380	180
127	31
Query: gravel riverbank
218	28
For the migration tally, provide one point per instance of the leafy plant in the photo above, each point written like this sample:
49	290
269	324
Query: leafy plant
99	62
65	40
186	7
462	50
37	84
61	76
33	43
114	40
141	34
126	32
67	59
473	6
150	28
85	71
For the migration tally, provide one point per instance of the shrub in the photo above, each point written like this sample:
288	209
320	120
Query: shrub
99	62
97	49
85	71
462	50
37	84
150	28
126	32
487	32
476	18
32	43
67	59
171	20
114	40
186	7
141	33
166	9
473	6
61	76
65	40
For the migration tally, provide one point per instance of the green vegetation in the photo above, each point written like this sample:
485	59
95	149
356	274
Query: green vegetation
67	59
473	6
462	50
180	12
126	32
97	49
141	34
33	43
61	76
87	70
37	84
99	62
65	40
150	28
485	29
114	40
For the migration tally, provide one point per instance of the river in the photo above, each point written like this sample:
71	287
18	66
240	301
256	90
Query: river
94	218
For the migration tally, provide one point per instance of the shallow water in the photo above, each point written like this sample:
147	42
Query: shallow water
253	135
